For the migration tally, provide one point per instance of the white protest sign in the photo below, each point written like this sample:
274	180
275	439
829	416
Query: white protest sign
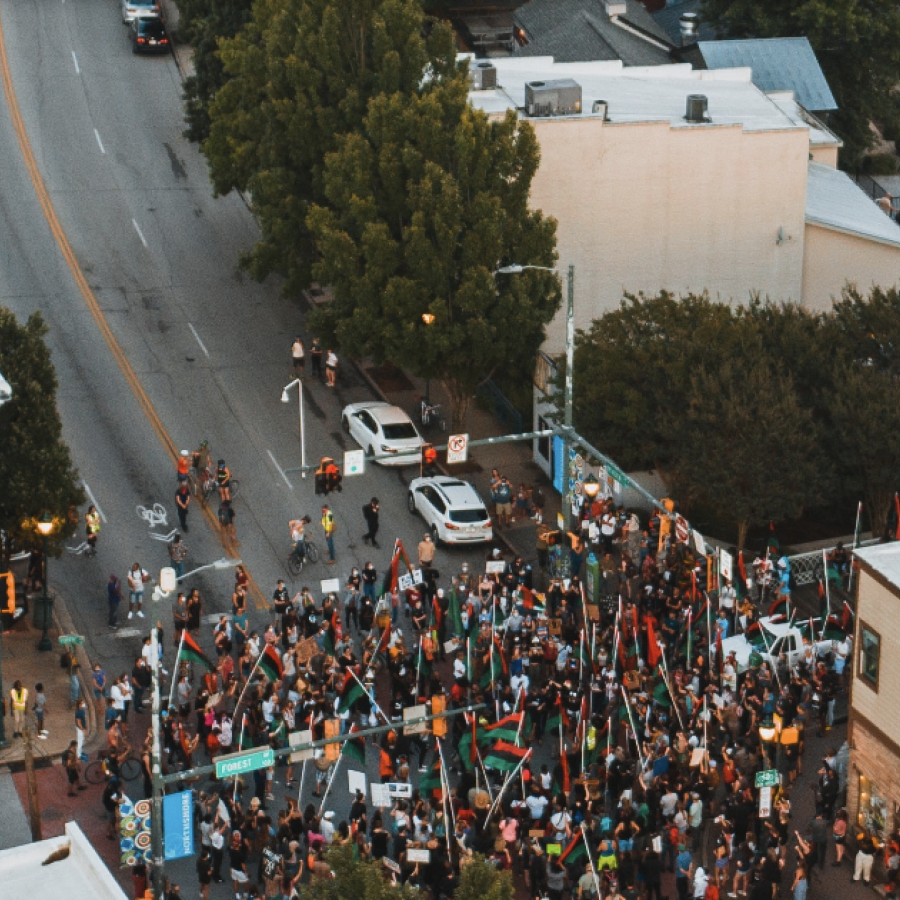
301	739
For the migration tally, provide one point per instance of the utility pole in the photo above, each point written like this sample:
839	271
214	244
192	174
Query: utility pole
157	848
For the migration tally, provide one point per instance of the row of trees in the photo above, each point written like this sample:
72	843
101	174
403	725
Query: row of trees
347	123
750	413
856	43
36	471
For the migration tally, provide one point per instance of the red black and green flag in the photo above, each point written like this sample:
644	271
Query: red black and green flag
574	852
779	608
506	729
833	630
330	641
505	756
559	717
653	651
432	781
192	653
454	611
754	634
469	743
354	747
351	691
270	663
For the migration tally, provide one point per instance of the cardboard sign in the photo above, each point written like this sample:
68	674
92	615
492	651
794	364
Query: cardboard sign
399	789
306	650
415	712
697	756
556	627
301	739
331	585
356	781
593	611
380	795
405	583
495	567
418	854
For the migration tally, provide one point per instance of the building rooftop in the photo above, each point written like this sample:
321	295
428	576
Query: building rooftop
778	64
573	30
882	558
834	200
642	94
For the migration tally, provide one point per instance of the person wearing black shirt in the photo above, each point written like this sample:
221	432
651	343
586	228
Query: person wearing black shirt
651	868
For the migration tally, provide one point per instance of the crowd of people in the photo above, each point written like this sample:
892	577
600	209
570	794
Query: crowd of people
609	742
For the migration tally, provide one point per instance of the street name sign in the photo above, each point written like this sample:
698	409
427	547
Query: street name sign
239	763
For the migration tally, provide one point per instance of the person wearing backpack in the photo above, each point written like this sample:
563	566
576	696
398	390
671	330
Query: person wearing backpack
73	768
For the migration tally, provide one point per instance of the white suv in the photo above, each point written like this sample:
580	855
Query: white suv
452	508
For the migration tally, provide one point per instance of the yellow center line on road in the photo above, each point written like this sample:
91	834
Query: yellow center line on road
91	300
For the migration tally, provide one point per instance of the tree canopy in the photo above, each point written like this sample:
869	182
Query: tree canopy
855	42
422	205
297	77
36	468
750	413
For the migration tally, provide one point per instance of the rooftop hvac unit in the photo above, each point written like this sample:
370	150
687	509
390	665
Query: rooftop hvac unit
689	23
560	97
483	76
696	108
600	108
616	8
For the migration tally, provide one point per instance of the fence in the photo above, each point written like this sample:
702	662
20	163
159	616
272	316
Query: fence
495	400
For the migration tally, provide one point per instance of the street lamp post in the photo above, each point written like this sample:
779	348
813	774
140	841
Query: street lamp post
428	319
570	364
45	526
286	399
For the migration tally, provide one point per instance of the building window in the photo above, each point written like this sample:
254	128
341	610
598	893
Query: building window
543	443
873	810
869	654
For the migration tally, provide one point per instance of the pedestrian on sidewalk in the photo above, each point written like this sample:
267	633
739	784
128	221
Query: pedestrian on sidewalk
40	710
182	502
114	598
80	728
73	768
137	578
370	514
19	697
141	681
328	528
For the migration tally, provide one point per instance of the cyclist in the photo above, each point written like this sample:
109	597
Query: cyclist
223	480
200	458
298	536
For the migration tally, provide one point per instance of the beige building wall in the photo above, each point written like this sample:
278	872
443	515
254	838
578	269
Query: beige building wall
832	258
827	155
645	207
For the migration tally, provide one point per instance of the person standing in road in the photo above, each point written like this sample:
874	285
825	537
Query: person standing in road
328	528
426	552
73	768
141	681
177	554
92	529
226	520
137	578
315	355
182	502
298	357
331	363
114	598
370	513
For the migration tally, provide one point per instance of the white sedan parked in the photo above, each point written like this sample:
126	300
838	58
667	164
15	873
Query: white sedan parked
452	508
383	431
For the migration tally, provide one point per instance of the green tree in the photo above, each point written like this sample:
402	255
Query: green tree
298	76
35	468
478	880
855	42
423	204
202	23
749	450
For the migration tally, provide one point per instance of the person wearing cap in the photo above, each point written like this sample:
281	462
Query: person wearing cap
326	827
184	464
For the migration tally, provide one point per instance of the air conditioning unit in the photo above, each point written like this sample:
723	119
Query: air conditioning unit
696	108
616	8
482	76
559	97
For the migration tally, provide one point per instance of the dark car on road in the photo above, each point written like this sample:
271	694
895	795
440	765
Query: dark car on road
149	36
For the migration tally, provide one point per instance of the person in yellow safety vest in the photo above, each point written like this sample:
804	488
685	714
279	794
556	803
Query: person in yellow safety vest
19	697
92	529
328	528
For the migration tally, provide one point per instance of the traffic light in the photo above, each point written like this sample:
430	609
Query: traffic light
10	593
438	726
429	459
328	476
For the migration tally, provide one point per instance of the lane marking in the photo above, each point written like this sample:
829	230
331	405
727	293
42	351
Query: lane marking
90	494
75	60
93	305
280	470
138	230
197	338
97	135
127	632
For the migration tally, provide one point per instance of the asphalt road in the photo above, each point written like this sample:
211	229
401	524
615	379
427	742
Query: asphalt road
111	231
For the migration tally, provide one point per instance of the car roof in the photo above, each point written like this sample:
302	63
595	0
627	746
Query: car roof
386	413
459	494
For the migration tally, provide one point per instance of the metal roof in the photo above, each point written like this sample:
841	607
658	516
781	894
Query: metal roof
778	64
834	200
882	558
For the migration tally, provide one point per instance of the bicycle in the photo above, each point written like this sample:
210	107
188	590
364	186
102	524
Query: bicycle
206	484
296	562
98	771
430	414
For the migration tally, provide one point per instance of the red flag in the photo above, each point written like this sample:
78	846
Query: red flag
564	762
846	617
720	662
741	570
821	589
653	651
693	586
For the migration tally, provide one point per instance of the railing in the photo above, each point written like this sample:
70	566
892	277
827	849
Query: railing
495	400
807	568
875	190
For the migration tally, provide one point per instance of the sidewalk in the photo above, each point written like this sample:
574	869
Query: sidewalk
22	661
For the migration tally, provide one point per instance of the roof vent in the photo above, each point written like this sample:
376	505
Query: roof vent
599	108
689	23
483	76
616	7
560	97
696	108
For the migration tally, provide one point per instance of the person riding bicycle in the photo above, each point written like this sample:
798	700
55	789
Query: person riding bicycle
117	746
200	458
223	480
298	536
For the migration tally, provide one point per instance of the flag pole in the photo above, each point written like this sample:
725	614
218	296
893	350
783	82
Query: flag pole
449	819
375	706
509	777
856	534
664	671
175	669
302	780
637	742
587	847
331	781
